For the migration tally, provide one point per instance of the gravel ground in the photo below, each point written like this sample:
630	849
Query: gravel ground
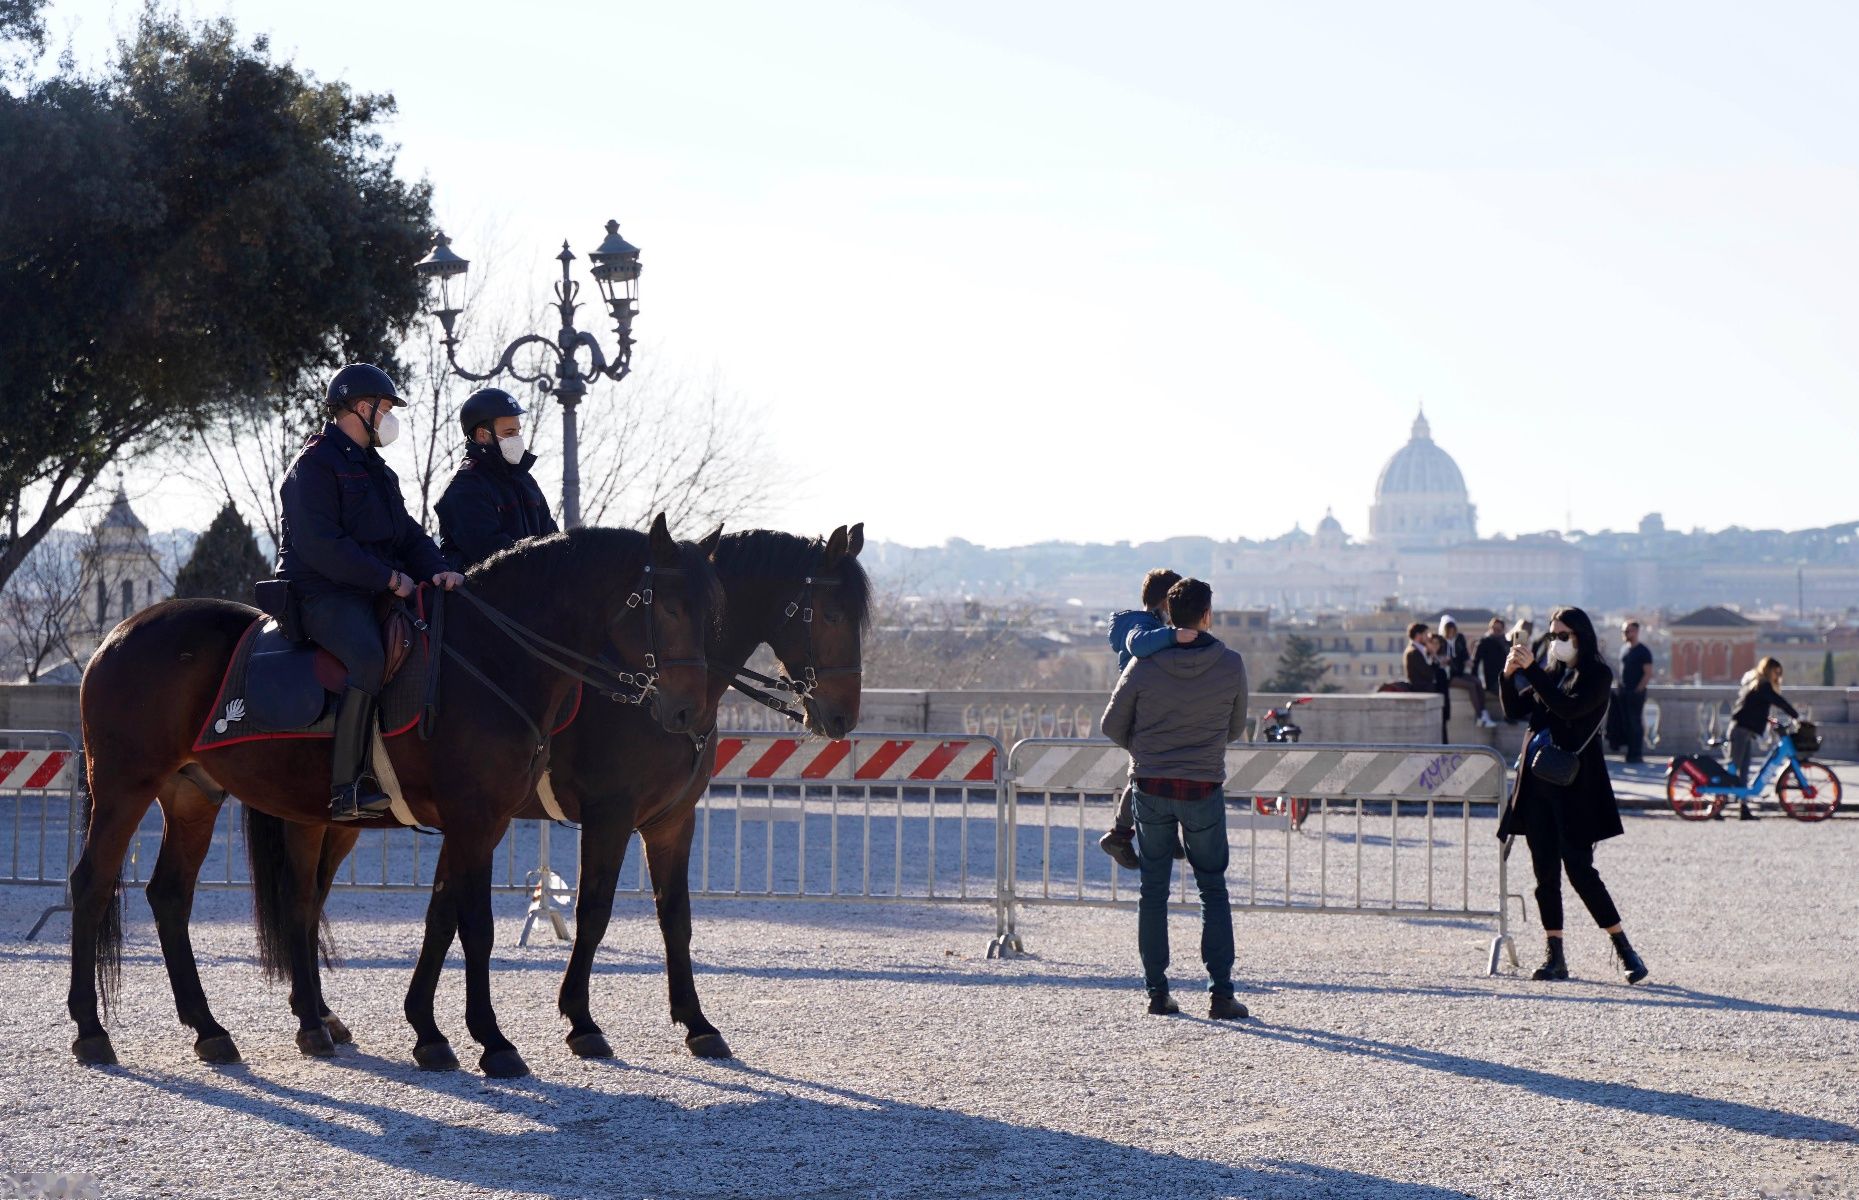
881	1054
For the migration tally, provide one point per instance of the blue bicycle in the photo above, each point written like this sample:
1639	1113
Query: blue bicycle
1697	786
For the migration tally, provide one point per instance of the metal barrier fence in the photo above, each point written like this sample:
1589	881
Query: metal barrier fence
1389	830
928	819
42	808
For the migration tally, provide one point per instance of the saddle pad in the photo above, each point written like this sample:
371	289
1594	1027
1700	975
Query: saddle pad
271	690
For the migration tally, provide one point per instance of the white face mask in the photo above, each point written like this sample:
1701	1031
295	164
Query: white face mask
388	429
1562	651
511	448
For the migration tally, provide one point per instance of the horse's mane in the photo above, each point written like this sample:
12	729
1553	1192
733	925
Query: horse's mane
560	560
773	555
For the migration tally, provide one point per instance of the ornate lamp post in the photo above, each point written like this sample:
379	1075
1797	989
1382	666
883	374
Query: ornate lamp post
616	271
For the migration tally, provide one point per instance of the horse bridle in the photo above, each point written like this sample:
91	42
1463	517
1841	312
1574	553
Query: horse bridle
746	681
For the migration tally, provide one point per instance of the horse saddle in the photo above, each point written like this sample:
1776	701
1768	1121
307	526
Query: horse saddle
277	686
284	680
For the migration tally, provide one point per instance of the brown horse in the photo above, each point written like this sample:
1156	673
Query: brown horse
149	688
809	601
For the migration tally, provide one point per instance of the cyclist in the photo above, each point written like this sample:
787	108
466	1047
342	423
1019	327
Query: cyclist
1761	692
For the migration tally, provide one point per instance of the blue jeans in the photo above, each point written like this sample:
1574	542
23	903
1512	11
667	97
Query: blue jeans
1203	833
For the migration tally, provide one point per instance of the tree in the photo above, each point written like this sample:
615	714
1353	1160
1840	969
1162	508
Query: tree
225	563
201	222
1826	670
41	606
1301	668
665	441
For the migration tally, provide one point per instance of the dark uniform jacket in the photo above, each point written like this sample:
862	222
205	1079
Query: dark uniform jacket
489	505
345	525
1569	705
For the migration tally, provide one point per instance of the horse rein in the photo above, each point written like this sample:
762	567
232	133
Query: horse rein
615	683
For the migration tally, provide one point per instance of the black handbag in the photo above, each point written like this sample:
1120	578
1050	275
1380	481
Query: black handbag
1554	765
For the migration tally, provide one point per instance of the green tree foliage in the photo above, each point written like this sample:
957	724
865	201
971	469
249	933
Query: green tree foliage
199	227
22	34
1301	668
226	561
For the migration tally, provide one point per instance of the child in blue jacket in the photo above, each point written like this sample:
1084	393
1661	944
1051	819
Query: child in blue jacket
1138	633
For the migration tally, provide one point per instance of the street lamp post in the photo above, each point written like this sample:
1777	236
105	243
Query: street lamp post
616	271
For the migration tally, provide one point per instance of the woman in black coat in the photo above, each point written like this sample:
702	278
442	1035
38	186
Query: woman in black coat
1566	705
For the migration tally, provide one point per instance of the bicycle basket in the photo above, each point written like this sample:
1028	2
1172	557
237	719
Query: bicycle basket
1806	737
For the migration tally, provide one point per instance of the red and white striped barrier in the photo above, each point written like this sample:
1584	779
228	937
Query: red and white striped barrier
36	770
773	759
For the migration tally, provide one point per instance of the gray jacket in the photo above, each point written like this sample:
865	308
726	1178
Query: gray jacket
1176	711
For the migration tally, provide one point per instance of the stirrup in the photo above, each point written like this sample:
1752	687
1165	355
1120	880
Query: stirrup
354	801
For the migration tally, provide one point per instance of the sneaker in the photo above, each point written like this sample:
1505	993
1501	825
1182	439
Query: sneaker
1161	1004
1221	1006
1120	844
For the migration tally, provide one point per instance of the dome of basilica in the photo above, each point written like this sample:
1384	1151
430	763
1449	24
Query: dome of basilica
1420	497
1421	468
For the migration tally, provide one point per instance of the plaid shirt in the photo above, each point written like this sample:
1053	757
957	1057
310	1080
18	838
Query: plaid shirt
1177	789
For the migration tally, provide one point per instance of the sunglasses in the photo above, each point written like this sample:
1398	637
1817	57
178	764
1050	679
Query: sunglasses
1563	636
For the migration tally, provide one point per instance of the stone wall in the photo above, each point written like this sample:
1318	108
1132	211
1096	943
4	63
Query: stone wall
39	706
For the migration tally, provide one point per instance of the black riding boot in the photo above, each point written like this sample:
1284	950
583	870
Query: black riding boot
1554	966
1631	964
353	792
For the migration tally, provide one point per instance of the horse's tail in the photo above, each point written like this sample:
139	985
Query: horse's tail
274	894
107	947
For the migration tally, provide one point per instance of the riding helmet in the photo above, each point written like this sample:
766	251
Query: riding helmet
360	381
486	405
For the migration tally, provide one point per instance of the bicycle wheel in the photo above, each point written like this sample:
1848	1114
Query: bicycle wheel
1300	808
1793	786
1265	806
1681	792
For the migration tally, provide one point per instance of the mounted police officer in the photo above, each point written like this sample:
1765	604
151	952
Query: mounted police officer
492	502
347	538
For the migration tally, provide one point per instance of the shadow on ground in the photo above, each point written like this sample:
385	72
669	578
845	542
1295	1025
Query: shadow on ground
764	1134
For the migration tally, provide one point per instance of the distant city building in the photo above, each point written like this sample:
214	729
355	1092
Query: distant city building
1712	645
1420	497
121	576
1422	547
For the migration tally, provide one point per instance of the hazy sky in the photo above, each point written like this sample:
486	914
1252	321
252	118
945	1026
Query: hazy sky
1013	271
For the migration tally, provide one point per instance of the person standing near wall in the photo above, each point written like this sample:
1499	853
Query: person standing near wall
1566	705
1488	658
1635	677
1176	712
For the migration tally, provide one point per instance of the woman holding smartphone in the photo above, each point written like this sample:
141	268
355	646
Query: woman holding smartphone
1566	705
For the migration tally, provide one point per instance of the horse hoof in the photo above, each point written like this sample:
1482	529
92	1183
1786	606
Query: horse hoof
338	1032
503	1064
708	1045
316	1043
590	1045
218	1049
95	1050
435	1056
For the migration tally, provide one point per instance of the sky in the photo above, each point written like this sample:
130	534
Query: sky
1021	271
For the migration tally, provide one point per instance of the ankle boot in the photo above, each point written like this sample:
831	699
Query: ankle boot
1747	814
1554	965
353	792
1631	964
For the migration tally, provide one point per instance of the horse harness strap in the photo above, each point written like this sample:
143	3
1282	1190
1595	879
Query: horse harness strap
763	689
613	678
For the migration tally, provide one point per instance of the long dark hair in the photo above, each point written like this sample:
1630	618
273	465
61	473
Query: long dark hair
1588	650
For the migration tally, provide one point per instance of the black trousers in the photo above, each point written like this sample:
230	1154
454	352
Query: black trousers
343	623
1633	715
1551	855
